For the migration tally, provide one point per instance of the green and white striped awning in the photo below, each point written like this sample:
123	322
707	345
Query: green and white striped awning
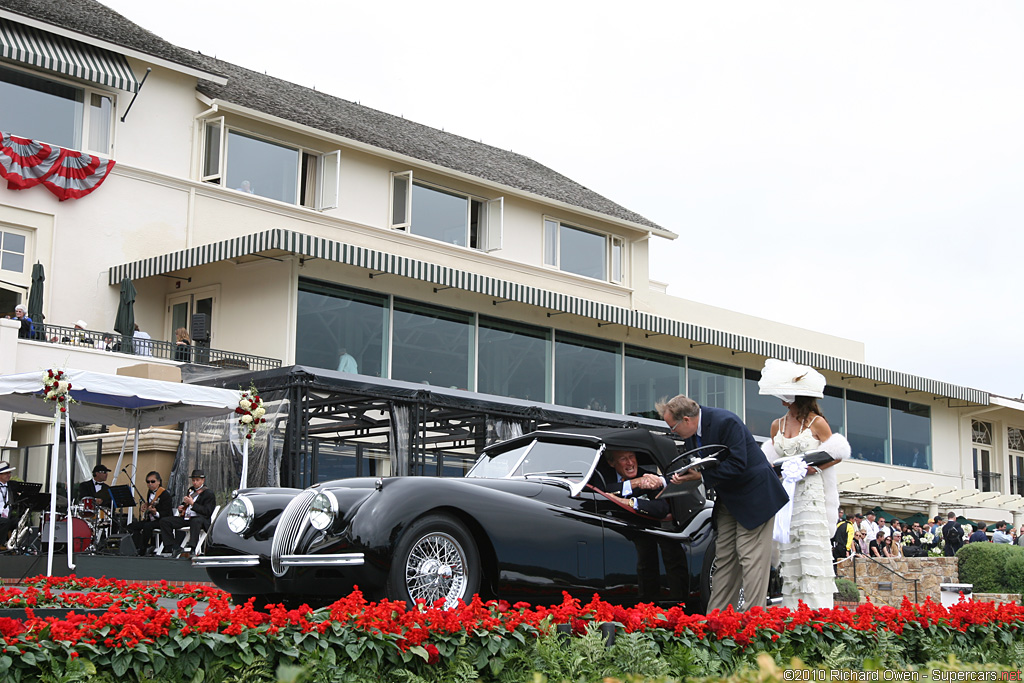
444	276
20	43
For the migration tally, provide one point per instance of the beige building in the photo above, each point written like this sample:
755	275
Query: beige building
280	224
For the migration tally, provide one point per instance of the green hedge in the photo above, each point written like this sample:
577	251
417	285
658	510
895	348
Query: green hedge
992	567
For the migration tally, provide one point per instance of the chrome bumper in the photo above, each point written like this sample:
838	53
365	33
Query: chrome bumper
349	559
344	559
225	560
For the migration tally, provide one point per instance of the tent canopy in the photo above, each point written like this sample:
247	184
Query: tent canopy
117	399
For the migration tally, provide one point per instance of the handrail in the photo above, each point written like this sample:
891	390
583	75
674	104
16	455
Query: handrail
197	354
888	569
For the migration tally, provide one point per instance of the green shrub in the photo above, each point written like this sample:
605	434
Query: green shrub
987	565
847	590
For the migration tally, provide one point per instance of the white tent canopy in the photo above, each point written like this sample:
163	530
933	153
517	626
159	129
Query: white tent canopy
130	402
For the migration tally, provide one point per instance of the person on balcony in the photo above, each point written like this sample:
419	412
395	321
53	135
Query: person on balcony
182	346
28	330
143	347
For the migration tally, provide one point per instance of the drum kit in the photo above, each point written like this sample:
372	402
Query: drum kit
91	525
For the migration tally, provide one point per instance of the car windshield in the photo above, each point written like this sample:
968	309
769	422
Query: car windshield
573	462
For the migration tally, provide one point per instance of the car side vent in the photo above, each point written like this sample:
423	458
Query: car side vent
293	522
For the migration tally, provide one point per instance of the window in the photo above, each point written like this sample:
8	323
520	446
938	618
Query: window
12	251
981	453
445	215
911	434
335	321
588	373
650	377
248	163
514	360
1015	440
759	410
868	426
583	252
432	345
715	385
54	112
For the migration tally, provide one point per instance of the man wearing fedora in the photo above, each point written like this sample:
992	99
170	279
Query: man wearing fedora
7	519
194	512
96	487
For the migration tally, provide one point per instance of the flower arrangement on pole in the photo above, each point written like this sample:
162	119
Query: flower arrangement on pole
57	388
250	412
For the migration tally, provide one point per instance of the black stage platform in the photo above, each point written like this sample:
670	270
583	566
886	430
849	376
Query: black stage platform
13	568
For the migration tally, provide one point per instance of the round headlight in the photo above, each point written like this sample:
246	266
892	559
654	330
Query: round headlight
239	514
323	511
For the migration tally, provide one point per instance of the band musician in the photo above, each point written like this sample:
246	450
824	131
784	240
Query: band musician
158	505
96	487
195	512
8	520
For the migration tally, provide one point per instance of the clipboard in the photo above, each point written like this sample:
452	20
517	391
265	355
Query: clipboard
812	458
687	488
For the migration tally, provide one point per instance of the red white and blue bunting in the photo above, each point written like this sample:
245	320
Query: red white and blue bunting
66	173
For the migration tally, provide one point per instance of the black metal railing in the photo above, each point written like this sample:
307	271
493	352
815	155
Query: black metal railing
196	353
986	481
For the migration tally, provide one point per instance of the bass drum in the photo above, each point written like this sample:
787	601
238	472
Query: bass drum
81	535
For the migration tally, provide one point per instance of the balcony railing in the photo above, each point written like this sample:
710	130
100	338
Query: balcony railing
152	348
986	481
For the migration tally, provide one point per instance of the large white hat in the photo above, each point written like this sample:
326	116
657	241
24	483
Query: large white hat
82	324
786	379
5	467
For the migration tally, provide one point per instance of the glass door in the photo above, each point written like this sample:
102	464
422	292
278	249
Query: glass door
181	309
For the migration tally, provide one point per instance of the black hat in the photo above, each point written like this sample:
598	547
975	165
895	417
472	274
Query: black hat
198	474
100	468
859	515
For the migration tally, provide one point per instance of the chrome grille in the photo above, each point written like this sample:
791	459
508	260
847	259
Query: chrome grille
293	522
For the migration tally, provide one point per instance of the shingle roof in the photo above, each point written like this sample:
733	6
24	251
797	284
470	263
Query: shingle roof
325	112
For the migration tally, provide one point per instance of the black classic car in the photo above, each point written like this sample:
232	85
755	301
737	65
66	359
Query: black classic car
527	522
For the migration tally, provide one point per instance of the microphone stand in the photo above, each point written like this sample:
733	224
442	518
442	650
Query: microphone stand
142	498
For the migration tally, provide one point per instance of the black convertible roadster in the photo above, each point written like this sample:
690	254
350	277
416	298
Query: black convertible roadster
527	522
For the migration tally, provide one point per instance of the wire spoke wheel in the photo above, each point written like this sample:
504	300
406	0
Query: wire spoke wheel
436	559
436	569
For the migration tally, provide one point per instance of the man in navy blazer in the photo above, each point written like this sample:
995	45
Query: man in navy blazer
748	493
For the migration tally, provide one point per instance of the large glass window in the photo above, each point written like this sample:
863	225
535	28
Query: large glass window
54	112
760	411
583	252
981	452
514	360
341	328
834	409
432	345
868	426
715	385
911	434
261	167
445	215
650	377
588	373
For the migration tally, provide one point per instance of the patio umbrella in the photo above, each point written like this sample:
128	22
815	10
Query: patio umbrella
125	320
35	295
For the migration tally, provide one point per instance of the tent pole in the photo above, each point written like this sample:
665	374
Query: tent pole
67	467
120	458
54	462
135	462
245	464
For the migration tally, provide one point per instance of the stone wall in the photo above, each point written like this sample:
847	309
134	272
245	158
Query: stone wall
886	588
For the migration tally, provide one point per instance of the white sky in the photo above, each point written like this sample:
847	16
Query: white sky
851	167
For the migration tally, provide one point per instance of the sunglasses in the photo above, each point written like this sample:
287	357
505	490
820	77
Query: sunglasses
152	481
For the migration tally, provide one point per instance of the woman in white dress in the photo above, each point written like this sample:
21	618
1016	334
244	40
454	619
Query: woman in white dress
805	527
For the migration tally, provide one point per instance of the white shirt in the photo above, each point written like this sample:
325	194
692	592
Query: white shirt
887	530
5	500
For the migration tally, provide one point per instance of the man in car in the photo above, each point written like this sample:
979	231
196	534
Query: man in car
636	487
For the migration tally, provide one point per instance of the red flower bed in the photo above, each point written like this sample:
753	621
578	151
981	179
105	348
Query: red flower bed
399	636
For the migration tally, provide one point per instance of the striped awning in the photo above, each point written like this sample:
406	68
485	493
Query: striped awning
62	55
379	261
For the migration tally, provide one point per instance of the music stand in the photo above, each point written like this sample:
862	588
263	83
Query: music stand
121	496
